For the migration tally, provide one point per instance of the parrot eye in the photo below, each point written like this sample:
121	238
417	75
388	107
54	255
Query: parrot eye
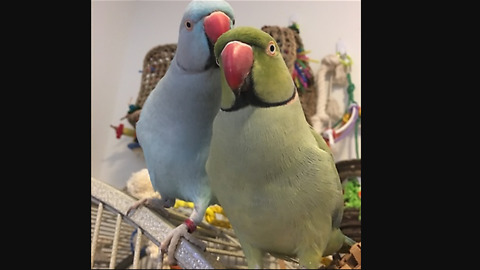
271	49
188	25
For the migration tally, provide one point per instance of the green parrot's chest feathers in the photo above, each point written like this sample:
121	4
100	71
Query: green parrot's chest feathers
268	141
247	139
265	162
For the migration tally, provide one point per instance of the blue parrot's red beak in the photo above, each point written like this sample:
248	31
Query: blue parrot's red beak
215	25
237	61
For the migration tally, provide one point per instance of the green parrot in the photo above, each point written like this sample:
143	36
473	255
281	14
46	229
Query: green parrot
272	173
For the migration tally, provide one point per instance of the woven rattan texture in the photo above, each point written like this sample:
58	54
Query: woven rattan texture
158	59
351	225
155	65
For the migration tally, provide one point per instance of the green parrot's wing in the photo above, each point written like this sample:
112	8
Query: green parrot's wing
320	141
338	236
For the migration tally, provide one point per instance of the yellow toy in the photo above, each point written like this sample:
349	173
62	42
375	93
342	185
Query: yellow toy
140	187
217	220
211	216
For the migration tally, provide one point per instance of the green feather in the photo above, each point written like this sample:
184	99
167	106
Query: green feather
272	82
246	34
274	176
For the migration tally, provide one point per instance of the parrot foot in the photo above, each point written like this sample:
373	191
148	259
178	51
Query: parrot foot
154	204
169	245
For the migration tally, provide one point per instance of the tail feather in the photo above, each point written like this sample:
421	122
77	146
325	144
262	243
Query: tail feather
347	244
285	257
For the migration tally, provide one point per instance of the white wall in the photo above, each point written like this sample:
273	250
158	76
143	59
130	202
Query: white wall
124	31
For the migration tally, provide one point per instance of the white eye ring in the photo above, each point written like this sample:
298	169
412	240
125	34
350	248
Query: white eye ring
271	49
188	25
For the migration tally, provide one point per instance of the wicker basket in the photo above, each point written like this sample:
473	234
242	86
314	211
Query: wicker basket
351	225
157	61
155	65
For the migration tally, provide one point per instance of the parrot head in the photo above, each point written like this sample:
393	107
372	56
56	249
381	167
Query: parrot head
202	23
253	70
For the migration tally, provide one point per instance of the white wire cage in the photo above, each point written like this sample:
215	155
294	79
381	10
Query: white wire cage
131	242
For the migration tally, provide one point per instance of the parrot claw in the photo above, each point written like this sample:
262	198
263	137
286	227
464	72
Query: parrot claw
135	206
151	203
169	245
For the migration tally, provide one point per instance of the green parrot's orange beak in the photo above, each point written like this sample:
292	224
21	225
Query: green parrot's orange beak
237	61
215	25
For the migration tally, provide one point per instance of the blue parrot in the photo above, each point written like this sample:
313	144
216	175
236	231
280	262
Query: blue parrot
175	125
